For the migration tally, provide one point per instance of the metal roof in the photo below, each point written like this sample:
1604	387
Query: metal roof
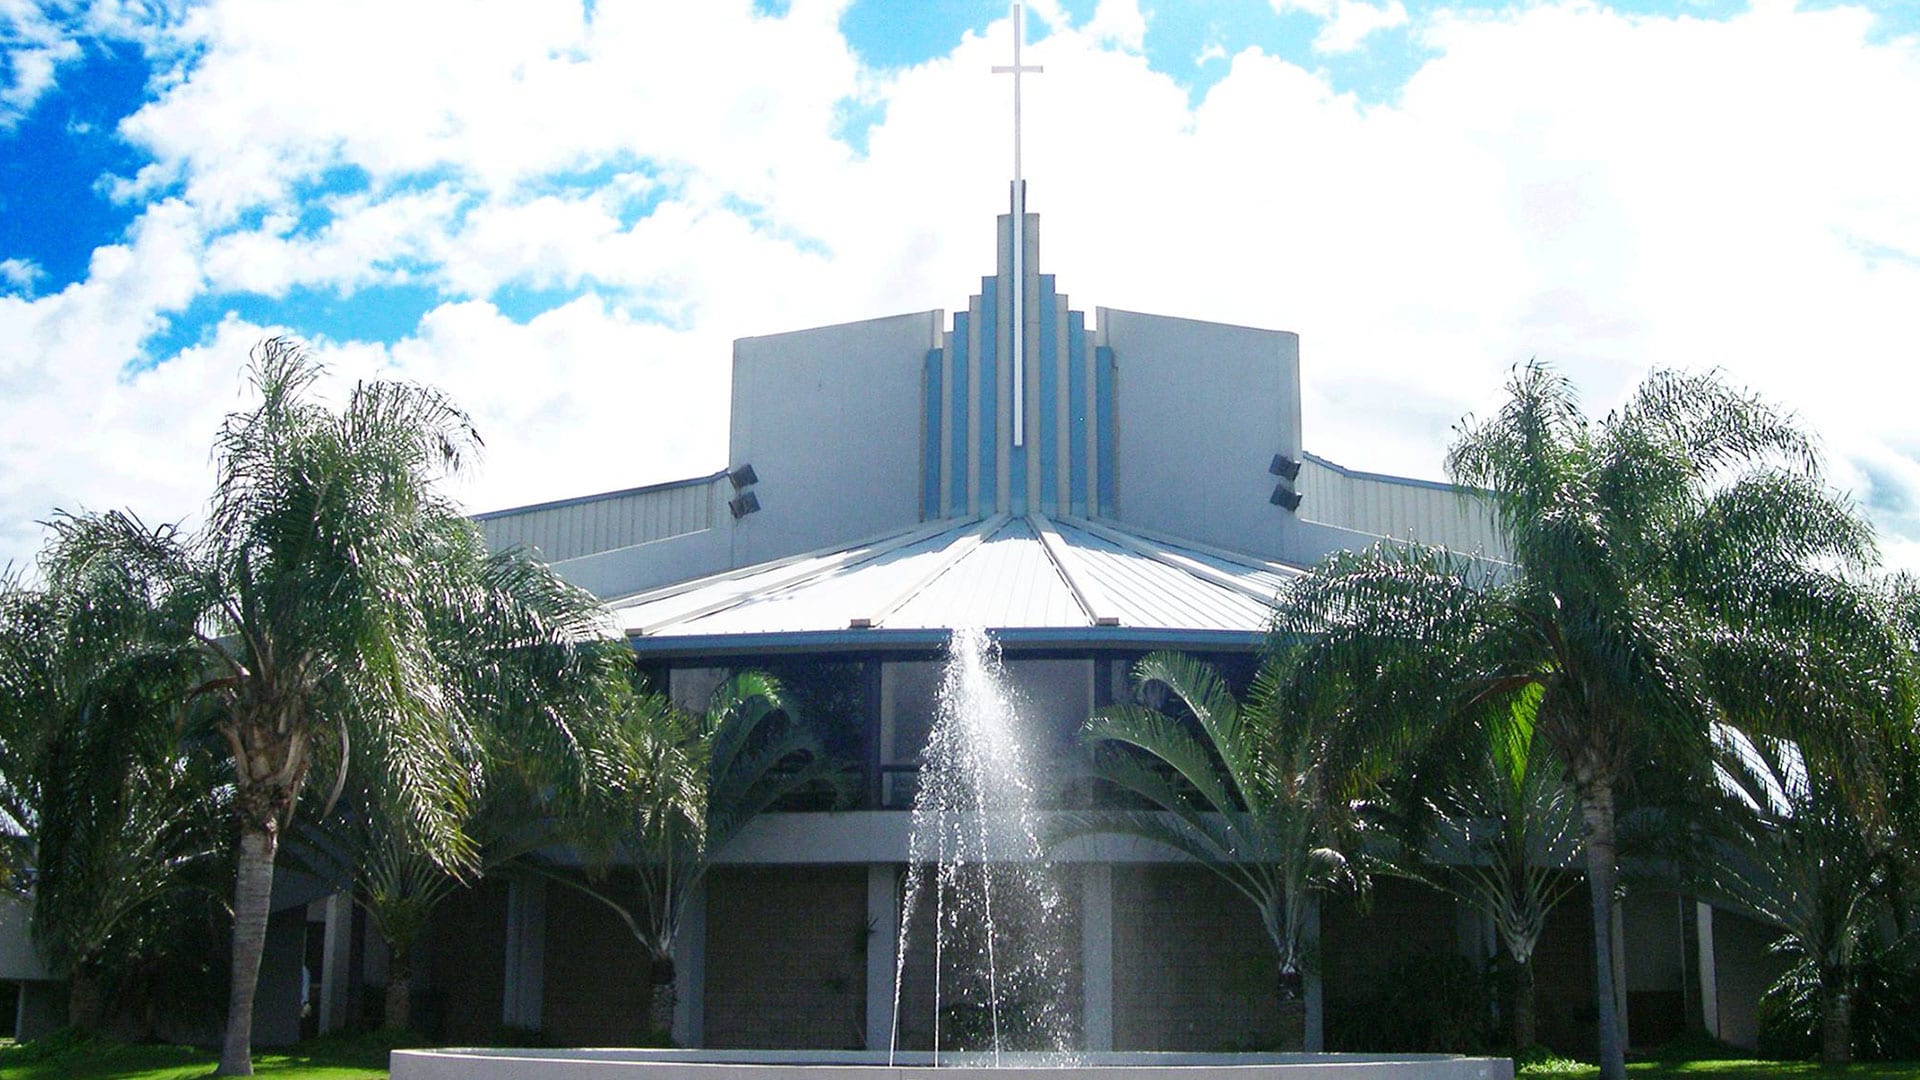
1048	577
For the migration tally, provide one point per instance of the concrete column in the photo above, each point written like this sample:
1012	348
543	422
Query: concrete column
883	937
42	1009
522	1004
1316	1034
1096	954
690	969
1709	973
336	961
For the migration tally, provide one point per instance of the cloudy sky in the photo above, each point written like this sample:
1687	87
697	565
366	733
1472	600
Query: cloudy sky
563	213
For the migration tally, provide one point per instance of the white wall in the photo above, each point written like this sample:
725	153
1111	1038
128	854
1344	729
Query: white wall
831	421
18	958
1202	409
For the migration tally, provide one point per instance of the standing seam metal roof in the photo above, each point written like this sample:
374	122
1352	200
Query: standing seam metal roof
1000	573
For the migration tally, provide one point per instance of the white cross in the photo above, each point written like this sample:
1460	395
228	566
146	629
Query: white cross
1017	69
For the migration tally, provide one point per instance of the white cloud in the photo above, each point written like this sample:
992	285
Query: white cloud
80	430
1353	21
34	46
39	37
1119	23
1348	22
368	241
582	398
1607	192
21	273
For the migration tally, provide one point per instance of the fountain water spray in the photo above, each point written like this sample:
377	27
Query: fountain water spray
1002	958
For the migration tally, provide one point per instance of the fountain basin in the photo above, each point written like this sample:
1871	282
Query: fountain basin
623	1064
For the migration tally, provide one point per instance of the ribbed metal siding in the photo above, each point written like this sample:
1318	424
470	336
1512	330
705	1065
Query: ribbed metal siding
572	529
1405	511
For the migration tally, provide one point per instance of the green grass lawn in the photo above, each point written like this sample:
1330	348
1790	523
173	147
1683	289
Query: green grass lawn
360	1057
1729	1069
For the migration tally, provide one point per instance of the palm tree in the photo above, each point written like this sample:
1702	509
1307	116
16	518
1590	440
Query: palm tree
687	784
344	611
1498	834
1674	556
1260	794
114	817
517	810
1800	858
1815	812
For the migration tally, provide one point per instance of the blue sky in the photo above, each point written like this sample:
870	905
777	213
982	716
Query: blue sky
568	218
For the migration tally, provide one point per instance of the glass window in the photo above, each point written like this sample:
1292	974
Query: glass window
830	697
1053	699
909	694
691	688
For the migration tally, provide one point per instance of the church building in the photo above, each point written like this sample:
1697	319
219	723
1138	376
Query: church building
1088	487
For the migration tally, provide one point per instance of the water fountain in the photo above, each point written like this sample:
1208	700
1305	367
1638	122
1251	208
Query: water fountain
985	901
1000	932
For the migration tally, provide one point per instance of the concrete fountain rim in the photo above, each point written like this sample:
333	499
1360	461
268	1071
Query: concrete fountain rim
489	1063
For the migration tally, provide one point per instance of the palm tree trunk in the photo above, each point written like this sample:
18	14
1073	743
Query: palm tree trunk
662	1000
1603	873
1836	1019
1517	1000
83	1000
1291	988
399	1011
252	897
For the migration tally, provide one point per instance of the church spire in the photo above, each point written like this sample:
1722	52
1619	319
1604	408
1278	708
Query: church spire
1017	69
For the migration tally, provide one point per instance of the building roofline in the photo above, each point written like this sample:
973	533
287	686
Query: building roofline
921	314
880	639
578	500
1100	311
1387	478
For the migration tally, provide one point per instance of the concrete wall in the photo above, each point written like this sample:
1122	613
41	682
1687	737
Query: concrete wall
276	1001
1192	968
830	420
1563	978
595	991
19	958
1363	945
1658	965
460	977
1202	409
787	957
1744	968
41	1009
